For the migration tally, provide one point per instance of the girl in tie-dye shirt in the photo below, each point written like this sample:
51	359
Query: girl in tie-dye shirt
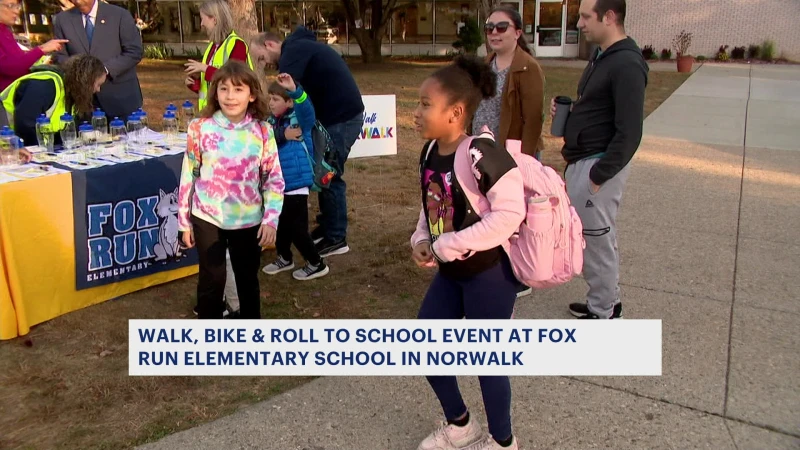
231	190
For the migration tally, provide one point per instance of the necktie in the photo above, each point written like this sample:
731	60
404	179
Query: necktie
89	28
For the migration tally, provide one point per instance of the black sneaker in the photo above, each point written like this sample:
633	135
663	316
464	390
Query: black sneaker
581	311
309	272
327	248
317	234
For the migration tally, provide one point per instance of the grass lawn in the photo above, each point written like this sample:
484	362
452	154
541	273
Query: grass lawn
71	390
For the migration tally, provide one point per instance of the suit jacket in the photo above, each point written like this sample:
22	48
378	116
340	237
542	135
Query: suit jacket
117	43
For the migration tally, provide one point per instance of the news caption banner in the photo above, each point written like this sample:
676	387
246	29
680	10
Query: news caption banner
394	347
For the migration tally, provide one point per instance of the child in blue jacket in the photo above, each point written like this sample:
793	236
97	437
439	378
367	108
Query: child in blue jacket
292	119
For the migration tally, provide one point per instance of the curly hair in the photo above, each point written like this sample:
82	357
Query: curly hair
80	74
240	75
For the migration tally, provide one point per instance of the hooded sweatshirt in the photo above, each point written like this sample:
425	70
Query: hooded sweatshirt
323	74
606	119
231	175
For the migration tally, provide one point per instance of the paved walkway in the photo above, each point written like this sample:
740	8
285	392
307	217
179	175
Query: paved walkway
709	240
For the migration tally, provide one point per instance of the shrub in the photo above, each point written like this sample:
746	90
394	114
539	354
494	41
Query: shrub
193	53
722	53
768	50
666	53
701	58
737	53
470	37
648	52
158	51
753	51
681	43
654	57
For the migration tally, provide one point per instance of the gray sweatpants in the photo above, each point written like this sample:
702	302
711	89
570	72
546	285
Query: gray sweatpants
598	212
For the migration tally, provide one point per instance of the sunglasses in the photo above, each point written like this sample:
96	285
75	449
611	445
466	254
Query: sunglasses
501	27
12	6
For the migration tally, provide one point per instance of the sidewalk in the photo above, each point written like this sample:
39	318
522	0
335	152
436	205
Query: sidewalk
709	241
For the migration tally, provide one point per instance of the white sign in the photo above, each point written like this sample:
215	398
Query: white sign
394	347
378	135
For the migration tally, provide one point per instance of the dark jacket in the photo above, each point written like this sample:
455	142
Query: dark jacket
606	119
31	99
117	43
323	74
294	155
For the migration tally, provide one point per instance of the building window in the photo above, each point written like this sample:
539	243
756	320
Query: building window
45	21
32	19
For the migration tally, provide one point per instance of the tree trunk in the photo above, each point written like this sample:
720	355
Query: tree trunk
244	18
370	47
369	39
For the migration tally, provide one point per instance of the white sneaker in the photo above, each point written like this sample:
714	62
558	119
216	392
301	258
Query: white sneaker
280	265
490	444
451	437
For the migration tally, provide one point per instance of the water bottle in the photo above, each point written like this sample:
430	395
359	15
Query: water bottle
188	115
117	130
100	125
44	133
9	147
117	134
134	129
142	117
68	132
173	109
170	127
88	139
39	121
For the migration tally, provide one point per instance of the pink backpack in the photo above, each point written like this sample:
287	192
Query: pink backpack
548	248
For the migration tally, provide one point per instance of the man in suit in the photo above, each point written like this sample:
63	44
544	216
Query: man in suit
109	33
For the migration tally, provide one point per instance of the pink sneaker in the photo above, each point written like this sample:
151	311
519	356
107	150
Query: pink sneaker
451	437
490	444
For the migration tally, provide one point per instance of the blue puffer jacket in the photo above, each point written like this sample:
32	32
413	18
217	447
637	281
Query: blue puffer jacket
294	157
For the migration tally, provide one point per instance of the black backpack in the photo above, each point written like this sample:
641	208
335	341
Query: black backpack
322	162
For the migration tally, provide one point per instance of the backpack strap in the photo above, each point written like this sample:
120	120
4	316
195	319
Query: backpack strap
466	178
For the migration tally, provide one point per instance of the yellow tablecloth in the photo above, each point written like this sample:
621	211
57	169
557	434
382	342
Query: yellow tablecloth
37	257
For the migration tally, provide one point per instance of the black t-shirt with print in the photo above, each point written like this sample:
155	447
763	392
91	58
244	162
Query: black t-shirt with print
446	206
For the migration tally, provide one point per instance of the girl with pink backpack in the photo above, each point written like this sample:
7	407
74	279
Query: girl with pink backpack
475	279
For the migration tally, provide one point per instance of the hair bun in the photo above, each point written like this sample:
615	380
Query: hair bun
482	75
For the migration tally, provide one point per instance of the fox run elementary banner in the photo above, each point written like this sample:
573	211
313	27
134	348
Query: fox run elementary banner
126	221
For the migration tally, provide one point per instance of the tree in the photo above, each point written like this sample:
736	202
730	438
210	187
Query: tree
244	18
367	20
470	37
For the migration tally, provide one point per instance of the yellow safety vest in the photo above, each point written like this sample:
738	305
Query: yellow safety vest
220	58
54	112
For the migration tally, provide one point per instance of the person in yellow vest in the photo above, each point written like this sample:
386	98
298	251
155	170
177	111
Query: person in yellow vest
49	90
217	21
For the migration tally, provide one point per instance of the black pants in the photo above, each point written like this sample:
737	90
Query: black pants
211	243
293	229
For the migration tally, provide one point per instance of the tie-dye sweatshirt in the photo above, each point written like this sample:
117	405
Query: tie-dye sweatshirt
239	181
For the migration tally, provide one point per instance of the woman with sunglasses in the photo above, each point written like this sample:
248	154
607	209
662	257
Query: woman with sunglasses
14	61
516	111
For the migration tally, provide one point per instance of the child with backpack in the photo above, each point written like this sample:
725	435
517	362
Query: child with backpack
293	119
231	190
475	278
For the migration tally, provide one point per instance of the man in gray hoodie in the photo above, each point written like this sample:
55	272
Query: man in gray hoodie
603	131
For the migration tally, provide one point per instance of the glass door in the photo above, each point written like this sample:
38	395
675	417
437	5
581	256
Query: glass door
549	35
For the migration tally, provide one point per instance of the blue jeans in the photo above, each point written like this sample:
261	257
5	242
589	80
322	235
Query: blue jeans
489	295
333	201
